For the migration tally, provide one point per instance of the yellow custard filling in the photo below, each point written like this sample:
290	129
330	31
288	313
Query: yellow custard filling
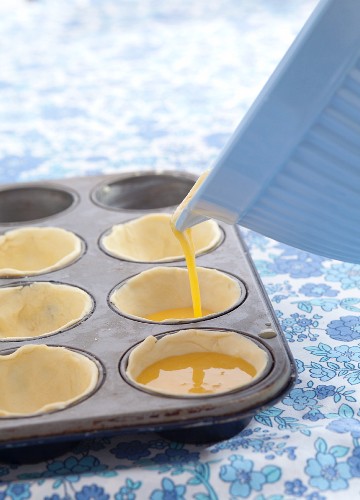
185	240
197	373
176	313
187	246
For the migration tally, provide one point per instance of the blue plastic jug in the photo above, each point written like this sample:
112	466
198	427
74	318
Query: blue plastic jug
291	170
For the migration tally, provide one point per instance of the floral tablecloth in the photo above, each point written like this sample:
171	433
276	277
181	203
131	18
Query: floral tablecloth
98	86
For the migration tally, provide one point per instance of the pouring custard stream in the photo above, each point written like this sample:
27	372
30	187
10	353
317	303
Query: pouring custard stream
185	240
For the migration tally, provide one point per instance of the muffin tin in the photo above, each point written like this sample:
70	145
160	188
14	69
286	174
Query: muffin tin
89	207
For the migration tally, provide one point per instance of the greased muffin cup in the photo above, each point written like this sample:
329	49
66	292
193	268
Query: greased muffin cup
105	332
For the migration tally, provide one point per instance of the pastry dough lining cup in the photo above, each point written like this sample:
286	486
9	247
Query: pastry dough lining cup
161	288
38	309
150	239
37	379
32	250
229	342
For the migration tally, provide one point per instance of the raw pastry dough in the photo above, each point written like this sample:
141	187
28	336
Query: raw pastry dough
150	239
37	250
162	288
40	308
190	341
39	378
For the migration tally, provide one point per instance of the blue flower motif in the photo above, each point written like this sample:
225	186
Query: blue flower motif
344	425
73	465
278	298
127	492
302	265
273	288
169	491
19	491
346	354
295	488
314	415
297	325
346	329
354	462
325	391
241	476
326	474
300	365
176	456
288	322
325	304
348	275
321	372
317	290
300	399
315	496
92	492
132	450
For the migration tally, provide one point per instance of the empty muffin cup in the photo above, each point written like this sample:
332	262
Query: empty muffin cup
39	378
196	363
144	190
162	294
26	203
37	250
41	308
150	239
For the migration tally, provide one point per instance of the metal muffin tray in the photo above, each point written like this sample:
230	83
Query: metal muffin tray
89	206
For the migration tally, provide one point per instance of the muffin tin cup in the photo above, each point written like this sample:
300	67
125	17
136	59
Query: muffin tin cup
62	307
116	406
130	240
33	250
160	288
255	344
91	368
23	203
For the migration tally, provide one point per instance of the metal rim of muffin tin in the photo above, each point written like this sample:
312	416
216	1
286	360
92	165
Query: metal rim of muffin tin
108	336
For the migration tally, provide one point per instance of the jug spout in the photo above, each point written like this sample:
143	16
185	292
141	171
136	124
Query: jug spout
213	196
188	218
199	212
188	213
